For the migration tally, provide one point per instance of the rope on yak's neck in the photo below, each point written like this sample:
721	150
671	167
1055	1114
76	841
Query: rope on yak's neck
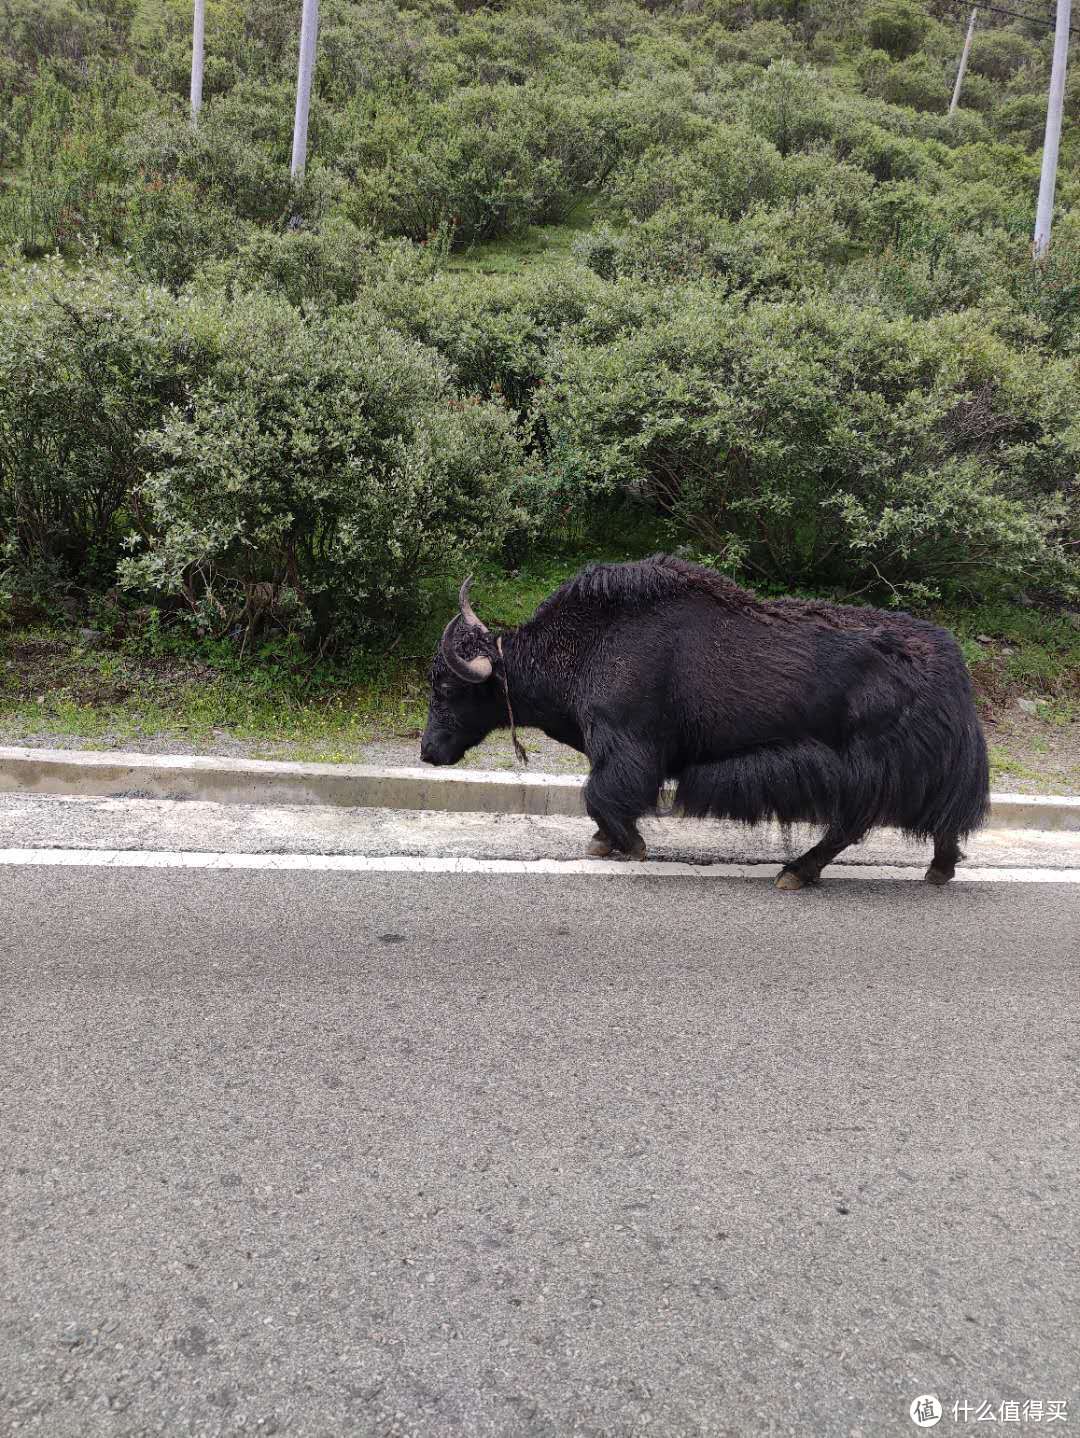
519	748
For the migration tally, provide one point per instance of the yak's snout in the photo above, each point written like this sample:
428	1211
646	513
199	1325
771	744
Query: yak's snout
441	747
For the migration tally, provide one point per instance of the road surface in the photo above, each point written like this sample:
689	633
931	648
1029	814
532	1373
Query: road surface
319	1153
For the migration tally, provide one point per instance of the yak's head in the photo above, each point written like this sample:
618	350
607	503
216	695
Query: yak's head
466	701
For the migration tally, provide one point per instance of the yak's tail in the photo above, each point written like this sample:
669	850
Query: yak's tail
925	783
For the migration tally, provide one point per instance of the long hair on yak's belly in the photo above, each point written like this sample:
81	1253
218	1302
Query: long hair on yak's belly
923	780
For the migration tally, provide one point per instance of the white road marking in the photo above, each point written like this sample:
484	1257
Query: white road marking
567	868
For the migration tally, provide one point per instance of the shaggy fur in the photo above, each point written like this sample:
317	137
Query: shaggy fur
801	712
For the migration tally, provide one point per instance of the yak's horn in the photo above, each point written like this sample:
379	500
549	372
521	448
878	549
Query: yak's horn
470	671
467	611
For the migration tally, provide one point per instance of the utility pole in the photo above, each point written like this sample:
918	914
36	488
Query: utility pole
309	30
197	59
963	62
1054	105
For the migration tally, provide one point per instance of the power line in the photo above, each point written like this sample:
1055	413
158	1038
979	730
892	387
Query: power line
1015	14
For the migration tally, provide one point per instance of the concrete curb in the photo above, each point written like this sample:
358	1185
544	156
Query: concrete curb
254	781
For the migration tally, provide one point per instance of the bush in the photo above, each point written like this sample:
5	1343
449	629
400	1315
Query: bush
317	474
69	180
86	361
845	189
786	106
494	332
196	194
1049	292
726	173
920	83
677	243
53	35
999	54
172	229
330	265
253	464
700	174
896	26
768	251
218	159
874	68
485	163
816	443
1023	118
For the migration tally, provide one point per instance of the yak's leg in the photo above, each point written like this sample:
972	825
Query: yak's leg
807	868
622	786
946	857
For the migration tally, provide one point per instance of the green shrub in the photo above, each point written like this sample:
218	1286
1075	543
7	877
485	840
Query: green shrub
317	474
896	26
700	173
493	332
770	250
329	265
172	229
255	464
758	44
69	181
485	163
1023	118
86	361
54	36
980	94
999	54
726	173
846	189
1049	292
677	243
919	82
787	107
874	68
817	443
599	249
923	273
220	161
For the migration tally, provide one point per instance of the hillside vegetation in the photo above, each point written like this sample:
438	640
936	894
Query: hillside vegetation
718	274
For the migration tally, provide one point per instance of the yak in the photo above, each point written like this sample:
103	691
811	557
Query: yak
792	710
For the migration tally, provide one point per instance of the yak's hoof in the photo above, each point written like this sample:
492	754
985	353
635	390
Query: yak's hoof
788	879
637	852
599	847
935	876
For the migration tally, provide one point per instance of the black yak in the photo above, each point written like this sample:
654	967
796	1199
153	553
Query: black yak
757	709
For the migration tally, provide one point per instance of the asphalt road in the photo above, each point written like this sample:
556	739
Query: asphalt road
323	1154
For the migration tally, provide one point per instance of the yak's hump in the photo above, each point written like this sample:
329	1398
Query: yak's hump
665	576
644	581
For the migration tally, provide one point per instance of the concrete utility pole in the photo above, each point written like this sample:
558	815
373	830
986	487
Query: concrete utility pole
1054	104
197	33
963	62
309	30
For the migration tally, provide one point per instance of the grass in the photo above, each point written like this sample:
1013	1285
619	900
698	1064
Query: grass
539	248
1004	767
1017	651
139	697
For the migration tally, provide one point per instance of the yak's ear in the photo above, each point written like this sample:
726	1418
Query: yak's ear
469	671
